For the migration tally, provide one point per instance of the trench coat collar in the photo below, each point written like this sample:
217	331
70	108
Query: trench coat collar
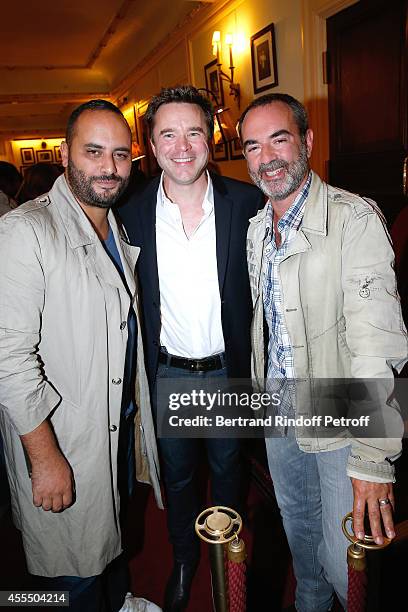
80	233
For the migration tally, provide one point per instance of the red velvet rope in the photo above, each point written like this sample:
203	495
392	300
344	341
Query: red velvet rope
237	586
357	590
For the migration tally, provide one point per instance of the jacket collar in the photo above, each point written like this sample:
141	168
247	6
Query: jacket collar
80	233
79	230
315	216
316	208
223	212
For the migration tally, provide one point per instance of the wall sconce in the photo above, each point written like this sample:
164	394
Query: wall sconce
216	46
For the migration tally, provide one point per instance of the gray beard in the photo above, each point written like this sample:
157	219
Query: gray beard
295	173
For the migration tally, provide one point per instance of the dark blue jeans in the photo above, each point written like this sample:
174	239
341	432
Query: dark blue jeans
180	462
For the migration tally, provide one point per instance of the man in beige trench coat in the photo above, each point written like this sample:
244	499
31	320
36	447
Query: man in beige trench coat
68	343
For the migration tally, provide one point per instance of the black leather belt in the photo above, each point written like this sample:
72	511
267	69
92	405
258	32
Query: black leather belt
206	364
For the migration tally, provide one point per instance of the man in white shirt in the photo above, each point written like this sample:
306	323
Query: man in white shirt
191	226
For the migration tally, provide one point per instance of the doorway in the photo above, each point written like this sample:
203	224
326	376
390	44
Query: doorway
367	57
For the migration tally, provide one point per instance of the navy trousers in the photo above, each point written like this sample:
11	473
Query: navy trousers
180	462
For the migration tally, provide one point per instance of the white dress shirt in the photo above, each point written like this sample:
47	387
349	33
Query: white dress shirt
188	278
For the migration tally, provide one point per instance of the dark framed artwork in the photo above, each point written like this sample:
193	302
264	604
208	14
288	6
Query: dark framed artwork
235	149
263	57
57	154
27	155
219	152
44	155
213	81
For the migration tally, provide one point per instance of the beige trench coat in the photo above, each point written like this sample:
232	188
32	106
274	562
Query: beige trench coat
63	335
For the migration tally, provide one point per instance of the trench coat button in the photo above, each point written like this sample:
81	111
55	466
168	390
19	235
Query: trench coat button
123	325
116	381
112	428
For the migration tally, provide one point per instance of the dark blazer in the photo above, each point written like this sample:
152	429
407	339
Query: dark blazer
235	202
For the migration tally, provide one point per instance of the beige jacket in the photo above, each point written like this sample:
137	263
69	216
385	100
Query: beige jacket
62	353
341	310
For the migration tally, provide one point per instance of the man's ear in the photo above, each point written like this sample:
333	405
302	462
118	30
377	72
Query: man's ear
64	153
153	147
309	142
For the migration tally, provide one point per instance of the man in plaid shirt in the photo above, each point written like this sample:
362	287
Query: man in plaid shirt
320	268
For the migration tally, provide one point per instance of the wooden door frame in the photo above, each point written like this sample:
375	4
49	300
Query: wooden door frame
316	97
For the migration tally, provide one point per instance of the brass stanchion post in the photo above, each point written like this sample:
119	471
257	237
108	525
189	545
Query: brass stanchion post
217	526
356	562
219	586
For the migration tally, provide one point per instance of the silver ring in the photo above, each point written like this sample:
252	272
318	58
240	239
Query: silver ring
384	502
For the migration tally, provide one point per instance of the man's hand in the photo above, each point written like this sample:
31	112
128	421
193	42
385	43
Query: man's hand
370	494
52	483
51	474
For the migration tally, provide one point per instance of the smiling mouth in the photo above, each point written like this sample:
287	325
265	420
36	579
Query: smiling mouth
274	174
111	184
183	160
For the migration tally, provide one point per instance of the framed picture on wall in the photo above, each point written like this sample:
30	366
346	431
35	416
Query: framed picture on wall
57	154
213	82
219	152
44	155
263	57
235	149
27	155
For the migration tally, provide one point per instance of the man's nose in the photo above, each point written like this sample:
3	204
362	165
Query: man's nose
184	143
268	153
108	165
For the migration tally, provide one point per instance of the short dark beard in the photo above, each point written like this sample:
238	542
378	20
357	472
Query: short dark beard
296	172
81	185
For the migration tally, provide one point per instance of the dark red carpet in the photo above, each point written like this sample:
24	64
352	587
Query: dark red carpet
270	578
269	566
269	573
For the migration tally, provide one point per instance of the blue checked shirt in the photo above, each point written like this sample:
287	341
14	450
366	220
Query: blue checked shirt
280	356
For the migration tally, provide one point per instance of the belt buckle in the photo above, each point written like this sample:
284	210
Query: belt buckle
199	365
